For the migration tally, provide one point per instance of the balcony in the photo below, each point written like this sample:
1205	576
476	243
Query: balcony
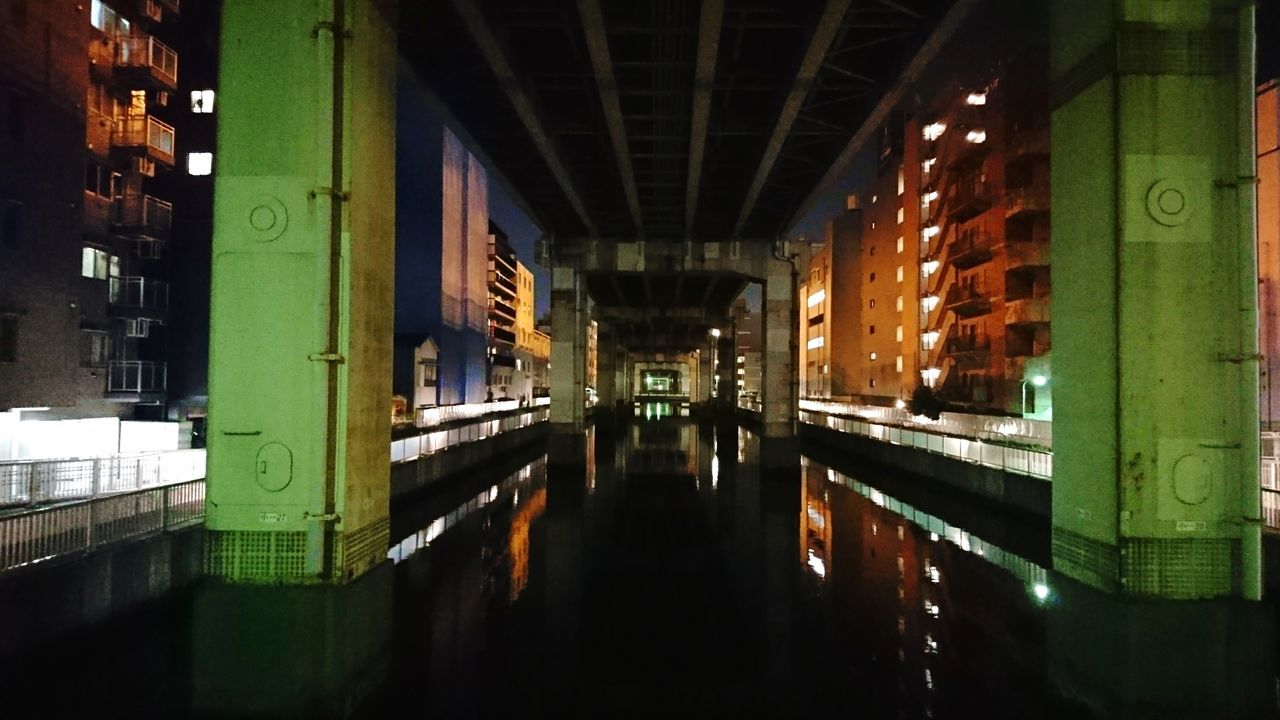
501	310
970	200
1026	255
143	216
971	250
173	6
132	296
146	136
137	377
969	352
502	334
145	60
1027	146
502	361
1026	201
967	302
1026	311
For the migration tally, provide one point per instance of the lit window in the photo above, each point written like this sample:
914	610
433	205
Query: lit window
901	244
899	273
934	131
929	339
199	163
871	303
932	231
976	99
873	356
817	342
902	182
902	215
98	264
898	333
817	298
898	364
202	101
873	199
929	303
976	136
898	305
930	196
927	165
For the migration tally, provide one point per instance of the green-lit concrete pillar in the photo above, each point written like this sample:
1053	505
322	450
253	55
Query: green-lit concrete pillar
568	366
778	391
1155	488
300	347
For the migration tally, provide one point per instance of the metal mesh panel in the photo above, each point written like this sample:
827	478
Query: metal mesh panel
1085	558
361	549
1155	51
1181	568
256	555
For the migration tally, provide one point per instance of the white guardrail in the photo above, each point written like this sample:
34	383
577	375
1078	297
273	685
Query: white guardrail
980	427
1022	461
46	533
428	443
32	482
427	417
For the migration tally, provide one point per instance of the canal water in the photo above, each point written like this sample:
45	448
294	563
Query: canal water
673	575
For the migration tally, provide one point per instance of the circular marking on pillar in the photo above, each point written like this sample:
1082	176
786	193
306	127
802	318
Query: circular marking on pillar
1192	479
266	220
1168	204
273	467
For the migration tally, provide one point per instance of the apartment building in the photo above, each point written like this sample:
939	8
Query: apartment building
96	194
1268	114
503	293
943	279
533	347
748	342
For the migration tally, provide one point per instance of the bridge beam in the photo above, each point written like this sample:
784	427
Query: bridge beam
301	325
1155	489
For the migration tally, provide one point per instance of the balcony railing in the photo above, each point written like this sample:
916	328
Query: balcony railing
1027	145
970	200
501	309
158	61
137	376
143	215
967	302
1026	311
971	250
1026	255
1026	201
139	292
503	334
145	134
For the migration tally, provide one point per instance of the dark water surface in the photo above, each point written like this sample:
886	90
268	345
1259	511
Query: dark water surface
670	577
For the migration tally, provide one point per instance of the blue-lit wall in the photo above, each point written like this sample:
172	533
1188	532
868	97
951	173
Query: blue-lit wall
420	248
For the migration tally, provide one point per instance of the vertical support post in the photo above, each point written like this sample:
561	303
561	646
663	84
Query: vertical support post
568	367
706	372
606	372
780	327
301	325
1155	489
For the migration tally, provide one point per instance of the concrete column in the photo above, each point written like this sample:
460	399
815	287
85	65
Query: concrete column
607	367
1155	488
706	371
568	367
779	382
301	316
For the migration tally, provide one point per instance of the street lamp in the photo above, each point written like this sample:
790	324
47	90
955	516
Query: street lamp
1038	381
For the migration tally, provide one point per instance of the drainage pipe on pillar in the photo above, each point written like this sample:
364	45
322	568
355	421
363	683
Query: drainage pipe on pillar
1247	269
337	31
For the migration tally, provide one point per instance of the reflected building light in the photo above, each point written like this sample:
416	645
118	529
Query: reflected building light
493	493
930	196
934	575
927	165
1041	591
930	645
976	136
933	131
932	231
930	267
933	536
928	678
929	303
976	99
817	565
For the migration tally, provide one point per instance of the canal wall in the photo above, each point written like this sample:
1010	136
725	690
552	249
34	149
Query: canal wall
413	475
38	604
1009	490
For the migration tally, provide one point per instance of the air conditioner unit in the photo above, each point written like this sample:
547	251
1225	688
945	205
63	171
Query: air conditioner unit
152	10
144	166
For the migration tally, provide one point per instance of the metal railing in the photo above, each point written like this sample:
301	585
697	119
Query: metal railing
31	482
979	427
138	292
147	52
427	417
144	214
144	131
80	527
1020	461
139	376
429	443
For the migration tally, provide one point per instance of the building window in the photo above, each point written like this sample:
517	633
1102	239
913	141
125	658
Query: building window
873	382
902	215
898	333
101	181
871	303
98	264
873	278
199	163
873	356
202	102
105	19
873	330
899	273
12	220
901	244
898	303
898	363
902	185
93	348
872	250
8	338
